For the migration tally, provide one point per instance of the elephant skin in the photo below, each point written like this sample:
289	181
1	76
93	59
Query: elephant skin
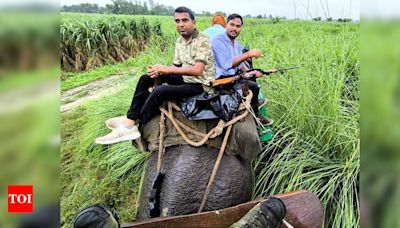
187	171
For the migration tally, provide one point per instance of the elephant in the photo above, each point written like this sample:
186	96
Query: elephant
186	169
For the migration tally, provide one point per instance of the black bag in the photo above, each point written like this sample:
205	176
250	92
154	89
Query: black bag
198	107
227	104
222	105
97	216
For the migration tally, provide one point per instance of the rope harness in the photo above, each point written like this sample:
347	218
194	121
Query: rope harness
244	107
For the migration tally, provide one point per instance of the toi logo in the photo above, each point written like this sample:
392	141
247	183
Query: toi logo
20	198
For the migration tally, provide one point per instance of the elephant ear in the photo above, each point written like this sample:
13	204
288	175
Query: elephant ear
244	140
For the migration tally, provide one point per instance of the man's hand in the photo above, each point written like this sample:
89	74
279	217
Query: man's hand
252	73
152	72
254	53
258	73
157	70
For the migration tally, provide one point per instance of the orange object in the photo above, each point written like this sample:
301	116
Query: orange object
219	19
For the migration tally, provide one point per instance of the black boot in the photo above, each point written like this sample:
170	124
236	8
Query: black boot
267	214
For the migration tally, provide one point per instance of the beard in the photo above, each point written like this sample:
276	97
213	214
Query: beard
185	32
233	35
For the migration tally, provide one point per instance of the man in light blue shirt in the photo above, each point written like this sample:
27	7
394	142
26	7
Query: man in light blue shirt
218	27
229	58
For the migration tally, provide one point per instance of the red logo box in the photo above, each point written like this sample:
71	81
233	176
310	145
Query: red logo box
20	198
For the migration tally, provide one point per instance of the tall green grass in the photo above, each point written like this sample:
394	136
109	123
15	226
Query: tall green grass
316	144
316	134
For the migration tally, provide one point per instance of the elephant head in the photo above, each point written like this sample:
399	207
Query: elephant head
186	169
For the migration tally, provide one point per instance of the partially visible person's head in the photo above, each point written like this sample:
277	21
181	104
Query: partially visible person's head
219	19
184	21
234	25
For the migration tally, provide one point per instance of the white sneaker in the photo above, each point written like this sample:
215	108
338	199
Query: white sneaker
119	134
113	123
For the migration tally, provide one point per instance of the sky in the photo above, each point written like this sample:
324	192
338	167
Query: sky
288	8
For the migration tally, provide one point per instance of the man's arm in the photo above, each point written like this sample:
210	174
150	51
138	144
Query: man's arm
196	70
226	63
176	61
254	53
239	59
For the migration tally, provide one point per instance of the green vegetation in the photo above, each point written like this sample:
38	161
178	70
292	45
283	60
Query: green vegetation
98	41
29	113
29	152
316	143
92	175
121	7
27	42
23	79
380	126
72	80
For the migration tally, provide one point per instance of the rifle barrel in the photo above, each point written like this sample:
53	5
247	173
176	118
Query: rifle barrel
232	79
288	68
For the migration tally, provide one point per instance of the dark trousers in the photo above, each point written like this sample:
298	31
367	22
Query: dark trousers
145	105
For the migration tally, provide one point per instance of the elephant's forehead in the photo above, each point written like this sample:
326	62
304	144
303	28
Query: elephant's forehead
243	141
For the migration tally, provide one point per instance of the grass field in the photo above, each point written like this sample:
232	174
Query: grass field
316	144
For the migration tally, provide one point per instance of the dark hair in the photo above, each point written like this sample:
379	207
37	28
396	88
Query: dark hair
233	16
183	9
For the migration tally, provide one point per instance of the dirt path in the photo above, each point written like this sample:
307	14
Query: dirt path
77	96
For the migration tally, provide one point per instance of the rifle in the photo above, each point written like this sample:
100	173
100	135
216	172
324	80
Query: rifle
247	75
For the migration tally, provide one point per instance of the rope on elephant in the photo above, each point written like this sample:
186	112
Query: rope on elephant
216	131
161	148
215	169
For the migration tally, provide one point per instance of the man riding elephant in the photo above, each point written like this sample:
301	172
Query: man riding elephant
190	75
229	59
